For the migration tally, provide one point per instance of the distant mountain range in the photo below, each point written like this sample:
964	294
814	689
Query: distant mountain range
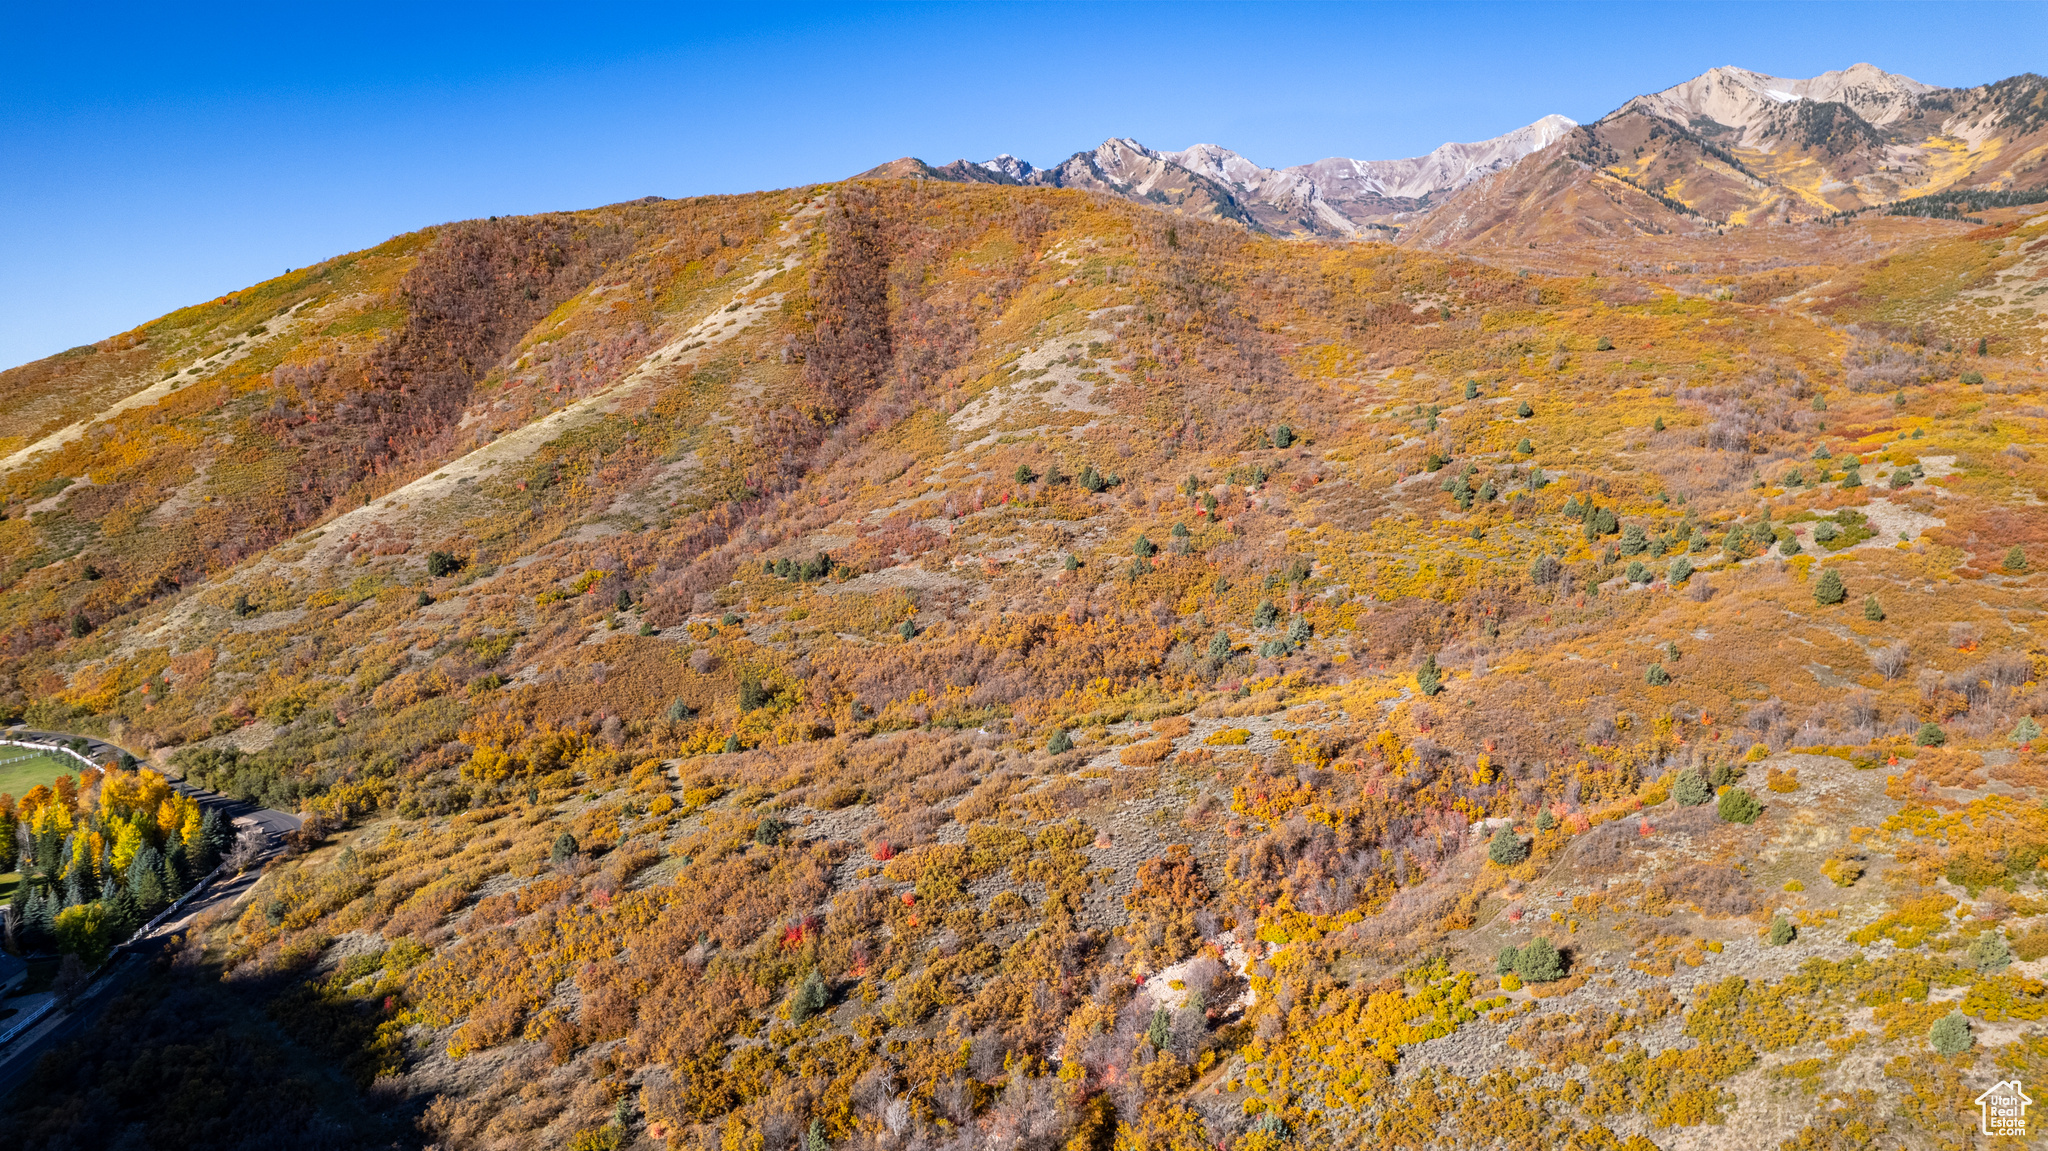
1334	197
1727	148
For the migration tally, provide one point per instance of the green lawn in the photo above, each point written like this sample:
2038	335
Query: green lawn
9	880
22	770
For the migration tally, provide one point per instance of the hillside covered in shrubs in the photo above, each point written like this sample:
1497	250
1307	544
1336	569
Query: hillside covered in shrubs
905	665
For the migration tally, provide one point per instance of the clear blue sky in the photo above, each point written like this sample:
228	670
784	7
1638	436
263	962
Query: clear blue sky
155	157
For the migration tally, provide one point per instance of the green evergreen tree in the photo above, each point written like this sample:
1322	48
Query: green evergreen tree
146	880
1219	646
176	882
1930	735
2016	560
1950	1034
1545	821
1828	589
2025	731
1428	678
1656	676
124	915
1872	610
1690	789
1060	743
1506	848
1681	570
1782	931
1266	615
1538	961
565	847
810	997
1989	952
1738	806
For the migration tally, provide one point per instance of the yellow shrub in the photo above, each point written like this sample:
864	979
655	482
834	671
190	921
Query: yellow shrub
1145	754
1228	737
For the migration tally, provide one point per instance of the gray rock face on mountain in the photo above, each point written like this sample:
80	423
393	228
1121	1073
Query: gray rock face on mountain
1334	197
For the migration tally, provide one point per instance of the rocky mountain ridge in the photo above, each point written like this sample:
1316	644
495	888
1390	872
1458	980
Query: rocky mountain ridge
1332	197
1730	147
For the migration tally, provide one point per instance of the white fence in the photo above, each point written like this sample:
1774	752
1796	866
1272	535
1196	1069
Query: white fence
86	760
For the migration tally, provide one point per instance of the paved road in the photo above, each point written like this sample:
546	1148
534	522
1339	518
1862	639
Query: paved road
133	958
132	961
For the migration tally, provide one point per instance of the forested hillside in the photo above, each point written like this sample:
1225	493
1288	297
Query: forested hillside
912	664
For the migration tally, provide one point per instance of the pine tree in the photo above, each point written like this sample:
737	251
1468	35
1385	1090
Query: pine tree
1539	962
565	847
1931	735
1738	806
1060	743
1656	676
1950	1034
810	997
2025	731
175	881
42	918
217	832
1428	679
146	880
1989	952
1507	848
1782	931
1872	610
124	916
1690	789
1828	590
